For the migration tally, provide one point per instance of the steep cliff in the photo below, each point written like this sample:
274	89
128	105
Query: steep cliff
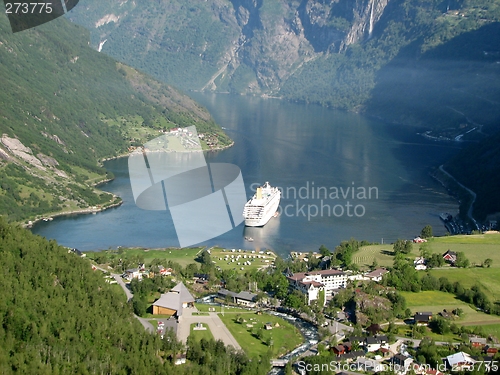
246	46
334	52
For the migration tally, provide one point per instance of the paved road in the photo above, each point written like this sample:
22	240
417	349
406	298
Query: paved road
469	212
145	323
120	282
217	327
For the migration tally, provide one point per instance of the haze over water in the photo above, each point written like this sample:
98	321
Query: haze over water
299	148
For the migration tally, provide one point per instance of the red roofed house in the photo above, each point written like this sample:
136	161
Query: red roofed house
339	349
450	256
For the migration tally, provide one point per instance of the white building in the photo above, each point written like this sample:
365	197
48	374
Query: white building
133	273
376	275
311	283
419	264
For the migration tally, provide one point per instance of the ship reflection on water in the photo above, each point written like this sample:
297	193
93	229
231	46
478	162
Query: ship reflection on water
258	237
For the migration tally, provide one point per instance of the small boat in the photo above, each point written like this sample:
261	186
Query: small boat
249	239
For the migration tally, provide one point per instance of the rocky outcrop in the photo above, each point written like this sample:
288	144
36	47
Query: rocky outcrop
245	46
21	151
366	13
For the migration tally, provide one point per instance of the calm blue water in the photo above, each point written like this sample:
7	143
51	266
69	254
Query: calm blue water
300	148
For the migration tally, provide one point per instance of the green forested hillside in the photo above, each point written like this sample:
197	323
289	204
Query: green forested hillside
57	316
64	107
453	87
377	56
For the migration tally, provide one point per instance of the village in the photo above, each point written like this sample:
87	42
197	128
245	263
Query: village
397	308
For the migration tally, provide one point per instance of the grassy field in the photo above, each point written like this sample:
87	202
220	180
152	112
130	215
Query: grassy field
383	254
487	278
492	329
201	334
284	338
476	248
223	258
435	301
182	256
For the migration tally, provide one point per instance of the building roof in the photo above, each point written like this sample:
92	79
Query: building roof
185	296
400	358
377	273
423	316
301	275
247	296
170	301
372	340
174	299
452	254
369	364
313	283
225	292
376	339
355	338
352	355
479	340
459	358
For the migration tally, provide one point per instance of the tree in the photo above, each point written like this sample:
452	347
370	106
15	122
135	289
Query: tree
436	260
139	305
402	246
321	299
324	251
488	262
462	261
295	300
426	232
424	250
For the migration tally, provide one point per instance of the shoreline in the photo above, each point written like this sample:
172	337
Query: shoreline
128	153
94	210
83	211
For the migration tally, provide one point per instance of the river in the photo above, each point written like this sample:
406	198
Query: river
343	175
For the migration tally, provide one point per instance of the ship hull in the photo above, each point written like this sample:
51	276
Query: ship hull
270	210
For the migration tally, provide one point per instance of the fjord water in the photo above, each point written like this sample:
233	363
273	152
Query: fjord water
299	148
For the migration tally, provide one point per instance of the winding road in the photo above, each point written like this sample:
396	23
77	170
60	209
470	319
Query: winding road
469	212
145	323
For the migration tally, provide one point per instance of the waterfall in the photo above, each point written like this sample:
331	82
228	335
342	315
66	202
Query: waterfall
370	28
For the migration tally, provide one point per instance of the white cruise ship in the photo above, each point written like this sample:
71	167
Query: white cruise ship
262	206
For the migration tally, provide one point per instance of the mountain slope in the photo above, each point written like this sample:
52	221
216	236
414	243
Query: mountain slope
453	87
65	107
478	168
59	317
328	52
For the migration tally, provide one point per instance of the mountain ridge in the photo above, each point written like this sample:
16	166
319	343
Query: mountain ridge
64	108
328	52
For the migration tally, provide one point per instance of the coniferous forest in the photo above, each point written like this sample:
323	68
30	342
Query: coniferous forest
58	316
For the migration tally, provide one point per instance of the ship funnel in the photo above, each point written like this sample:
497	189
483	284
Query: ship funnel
259	193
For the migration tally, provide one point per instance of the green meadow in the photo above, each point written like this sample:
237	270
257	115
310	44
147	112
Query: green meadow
183	256
436	301
279	340
201	334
